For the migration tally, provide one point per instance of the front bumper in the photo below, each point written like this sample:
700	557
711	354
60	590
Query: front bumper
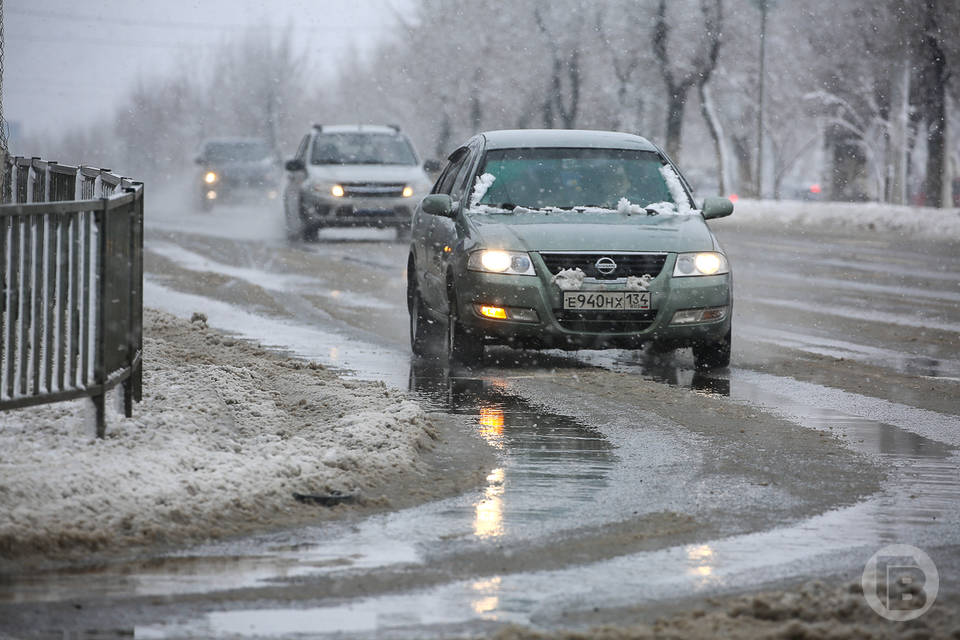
326	211
568	330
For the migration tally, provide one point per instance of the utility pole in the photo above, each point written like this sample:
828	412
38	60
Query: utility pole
3	123
765	6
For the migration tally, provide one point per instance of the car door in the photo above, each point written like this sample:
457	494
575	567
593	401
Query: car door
435	232
294	181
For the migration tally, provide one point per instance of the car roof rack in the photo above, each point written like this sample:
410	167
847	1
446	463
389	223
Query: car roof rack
318	126
395	127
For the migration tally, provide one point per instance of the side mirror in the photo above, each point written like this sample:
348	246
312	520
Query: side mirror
198	160
294	164
438	204
431	166
716	208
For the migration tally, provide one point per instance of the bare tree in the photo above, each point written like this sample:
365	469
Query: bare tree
680	81
563	93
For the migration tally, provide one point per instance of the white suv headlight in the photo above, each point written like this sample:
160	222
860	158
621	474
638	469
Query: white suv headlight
705	263
496	261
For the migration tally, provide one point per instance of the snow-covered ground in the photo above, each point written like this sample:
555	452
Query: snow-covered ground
790	215
227	432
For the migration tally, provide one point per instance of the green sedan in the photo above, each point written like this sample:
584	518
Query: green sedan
547	239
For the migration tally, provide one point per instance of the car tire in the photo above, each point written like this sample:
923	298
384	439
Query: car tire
713	355
425	333
206	204
463	348
310	233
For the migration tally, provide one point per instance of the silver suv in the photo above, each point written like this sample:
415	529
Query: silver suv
353	176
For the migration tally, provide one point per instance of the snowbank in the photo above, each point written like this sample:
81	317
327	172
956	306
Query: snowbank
227	432
922	222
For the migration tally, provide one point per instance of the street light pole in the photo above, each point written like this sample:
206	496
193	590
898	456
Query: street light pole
764	7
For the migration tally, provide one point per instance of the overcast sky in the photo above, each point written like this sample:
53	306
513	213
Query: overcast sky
68	63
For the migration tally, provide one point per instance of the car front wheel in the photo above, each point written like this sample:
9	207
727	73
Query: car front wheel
713	355
425	333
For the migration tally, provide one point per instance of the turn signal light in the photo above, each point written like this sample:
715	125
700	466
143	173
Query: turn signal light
498	313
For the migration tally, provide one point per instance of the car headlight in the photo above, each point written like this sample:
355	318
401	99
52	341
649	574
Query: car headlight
210	177
496	261
707	263
335	190
407	191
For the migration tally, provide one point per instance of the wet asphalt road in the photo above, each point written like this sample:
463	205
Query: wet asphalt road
622	480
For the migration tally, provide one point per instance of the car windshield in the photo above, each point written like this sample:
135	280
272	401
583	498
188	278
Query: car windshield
362	148
235	151
567	178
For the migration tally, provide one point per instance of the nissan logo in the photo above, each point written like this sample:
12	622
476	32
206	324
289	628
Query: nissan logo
605	265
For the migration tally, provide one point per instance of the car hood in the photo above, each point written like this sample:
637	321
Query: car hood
367	173
585	232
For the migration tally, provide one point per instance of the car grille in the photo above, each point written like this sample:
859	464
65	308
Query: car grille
605	322
628	264
373	189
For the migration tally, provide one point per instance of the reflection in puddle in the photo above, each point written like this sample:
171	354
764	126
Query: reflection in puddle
489	520
540	449
487	600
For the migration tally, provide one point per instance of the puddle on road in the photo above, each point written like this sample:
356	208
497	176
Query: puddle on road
917	506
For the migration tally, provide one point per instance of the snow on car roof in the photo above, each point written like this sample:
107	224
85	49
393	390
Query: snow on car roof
517	138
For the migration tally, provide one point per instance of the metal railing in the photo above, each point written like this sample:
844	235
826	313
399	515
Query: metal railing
71	285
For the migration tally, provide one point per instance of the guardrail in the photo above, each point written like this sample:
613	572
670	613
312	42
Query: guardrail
71	285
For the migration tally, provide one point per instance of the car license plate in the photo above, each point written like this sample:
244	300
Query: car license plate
607	300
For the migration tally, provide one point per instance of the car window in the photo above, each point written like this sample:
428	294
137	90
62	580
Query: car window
446	181
575	177
460	182
362	148
236	151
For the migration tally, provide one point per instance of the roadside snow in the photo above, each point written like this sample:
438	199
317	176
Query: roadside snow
226	433
789	215
480	187
569	279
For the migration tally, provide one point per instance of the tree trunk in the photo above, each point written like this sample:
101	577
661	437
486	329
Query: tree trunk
716	132
675	107
935	89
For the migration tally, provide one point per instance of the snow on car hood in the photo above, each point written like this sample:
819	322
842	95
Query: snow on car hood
367	172
583	232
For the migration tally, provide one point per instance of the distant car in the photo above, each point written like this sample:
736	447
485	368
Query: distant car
353	175
234	169
566	239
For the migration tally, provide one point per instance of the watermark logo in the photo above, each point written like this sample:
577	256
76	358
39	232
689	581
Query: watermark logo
900	582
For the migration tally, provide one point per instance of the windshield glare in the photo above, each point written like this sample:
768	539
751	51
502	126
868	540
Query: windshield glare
567	178
361	148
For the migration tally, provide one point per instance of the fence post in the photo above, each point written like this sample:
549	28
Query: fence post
99	355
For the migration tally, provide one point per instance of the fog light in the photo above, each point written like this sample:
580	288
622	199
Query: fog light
691	316
211	195
523	315
497	313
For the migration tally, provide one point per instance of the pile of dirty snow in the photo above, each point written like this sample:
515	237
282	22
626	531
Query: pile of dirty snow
789	215
227	432
814	611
